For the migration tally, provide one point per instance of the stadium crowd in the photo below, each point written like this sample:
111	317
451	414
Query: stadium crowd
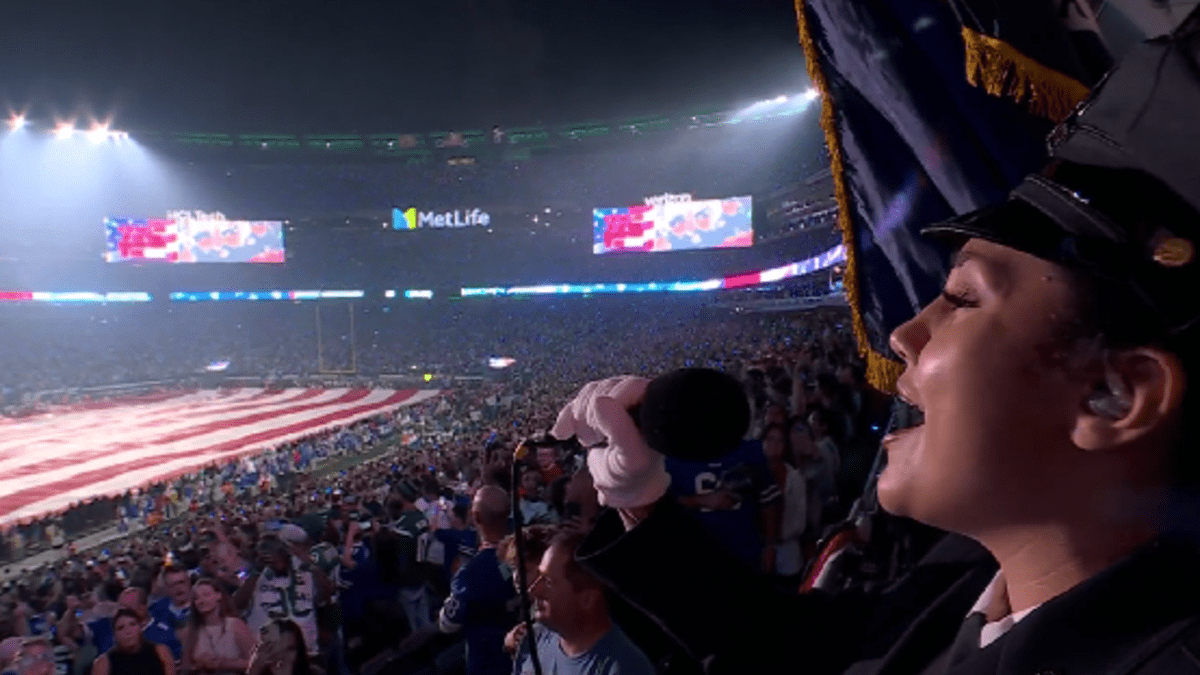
74	347
402	563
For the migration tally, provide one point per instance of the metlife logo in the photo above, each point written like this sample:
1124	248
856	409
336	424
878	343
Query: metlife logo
412	219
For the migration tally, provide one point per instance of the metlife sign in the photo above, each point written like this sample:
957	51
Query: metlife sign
412	219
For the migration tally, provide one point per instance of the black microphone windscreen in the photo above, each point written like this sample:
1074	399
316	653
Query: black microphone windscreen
694	413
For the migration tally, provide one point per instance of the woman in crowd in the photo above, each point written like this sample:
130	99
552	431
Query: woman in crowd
216	641
789	561
818	463
280	651
132	653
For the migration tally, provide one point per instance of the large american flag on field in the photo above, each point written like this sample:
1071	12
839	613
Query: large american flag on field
51	461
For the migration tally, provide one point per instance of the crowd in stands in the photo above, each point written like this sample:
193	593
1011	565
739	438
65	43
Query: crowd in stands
65	347
404	562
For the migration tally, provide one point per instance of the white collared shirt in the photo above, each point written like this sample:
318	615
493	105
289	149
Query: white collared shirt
994	630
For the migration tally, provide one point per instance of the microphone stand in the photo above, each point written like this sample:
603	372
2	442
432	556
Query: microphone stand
519	539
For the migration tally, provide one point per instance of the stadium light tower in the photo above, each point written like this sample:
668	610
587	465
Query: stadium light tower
98	134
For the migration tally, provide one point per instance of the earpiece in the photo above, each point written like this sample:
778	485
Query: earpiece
1111	401
1110	405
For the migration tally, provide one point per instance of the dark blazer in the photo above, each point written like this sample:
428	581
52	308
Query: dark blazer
1140	616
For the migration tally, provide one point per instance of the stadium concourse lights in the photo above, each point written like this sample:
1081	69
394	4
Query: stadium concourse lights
101	133
779	106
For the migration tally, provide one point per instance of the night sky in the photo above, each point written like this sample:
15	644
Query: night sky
325	66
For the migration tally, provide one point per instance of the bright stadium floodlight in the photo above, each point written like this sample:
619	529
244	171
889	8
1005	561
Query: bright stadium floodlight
16	122
64	130
812	95
98	134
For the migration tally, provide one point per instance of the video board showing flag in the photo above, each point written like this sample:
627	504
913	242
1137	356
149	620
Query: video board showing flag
193	237
674	226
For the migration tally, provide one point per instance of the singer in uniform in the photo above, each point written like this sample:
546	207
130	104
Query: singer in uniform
1058	446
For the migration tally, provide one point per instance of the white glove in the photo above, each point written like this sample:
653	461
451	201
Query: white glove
626	472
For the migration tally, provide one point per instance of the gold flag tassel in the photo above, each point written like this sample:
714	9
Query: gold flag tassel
882	372
1003	71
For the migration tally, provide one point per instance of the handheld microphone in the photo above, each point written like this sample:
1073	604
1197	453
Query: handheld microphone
697	414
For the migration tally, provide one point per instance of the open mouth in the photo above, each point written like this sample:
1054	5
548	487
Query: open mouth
905	415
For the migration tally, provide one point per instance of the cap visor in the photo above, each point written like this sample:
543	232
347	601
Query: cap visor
1014	224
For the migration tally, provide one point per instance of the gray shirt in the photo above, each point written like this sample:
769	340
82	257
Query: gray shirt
614	654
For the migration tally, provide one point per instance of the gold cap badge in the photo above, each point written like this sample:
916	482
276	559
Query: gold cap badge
1174	252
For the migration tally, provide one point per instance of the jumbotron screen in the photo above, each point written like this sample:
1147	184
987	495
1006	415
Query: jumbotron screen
674	223
193	237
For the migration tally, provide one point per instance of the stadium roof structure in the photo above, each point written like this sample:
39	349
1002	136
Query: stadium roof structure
464	147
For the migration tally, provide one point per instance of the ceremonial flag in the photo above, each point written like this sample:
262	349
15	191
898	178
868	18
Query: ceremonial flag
932	108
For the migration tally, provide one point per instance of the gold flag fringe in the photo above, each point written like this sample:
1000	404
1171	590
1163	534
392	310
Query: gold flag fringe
1004	72
882	372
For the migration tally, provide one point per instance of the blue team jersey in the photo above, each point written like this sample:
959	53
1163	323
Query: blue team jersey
483	604
743	471
360	585
456	543
166	624
102	634
40	624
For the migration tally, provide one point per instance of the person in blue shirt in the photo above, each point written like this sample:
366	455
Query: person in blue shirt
171	612
734	497
483	602
459	544
133	599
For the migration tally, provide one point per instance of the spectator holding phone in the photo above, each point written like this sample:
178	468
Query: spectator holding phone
278	590
458	545
280	650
